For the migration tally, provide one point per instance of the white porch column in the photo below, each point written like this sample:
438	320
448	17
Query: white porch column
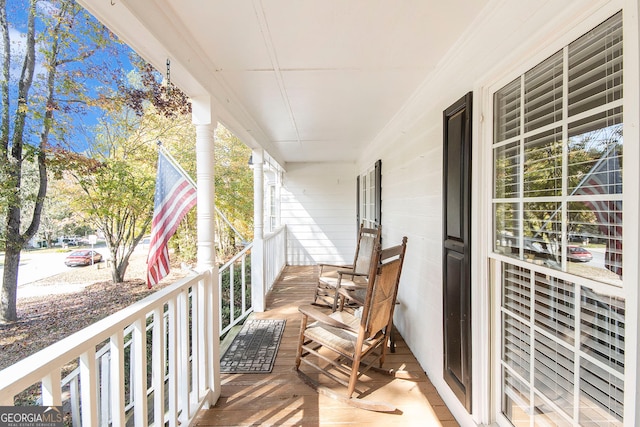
257	253
205	122
205	162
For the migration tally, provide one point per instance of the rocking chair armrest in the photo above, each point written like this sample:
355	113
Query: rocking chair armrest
323	264
351	273
351	284
319	316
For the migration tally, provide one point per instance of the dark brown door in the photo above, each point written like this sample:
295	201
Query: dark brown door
456	248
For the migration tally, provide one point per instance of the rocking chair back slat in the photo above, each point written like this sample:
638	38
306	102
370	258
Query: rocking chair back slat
382	299
368	240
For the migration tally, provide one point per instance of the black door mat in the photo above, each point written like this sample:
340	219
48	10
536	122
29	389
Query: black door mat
254	349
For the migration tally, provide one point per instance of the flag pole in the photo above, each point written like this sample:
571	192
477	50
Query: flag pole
175	163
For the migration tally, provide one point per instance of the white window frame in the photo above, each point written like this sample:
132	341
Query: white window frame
487	377
367	195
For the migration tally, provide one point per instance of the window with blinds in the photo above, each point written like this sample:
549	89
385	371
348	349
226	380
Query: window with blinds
557	159
557	206
556	335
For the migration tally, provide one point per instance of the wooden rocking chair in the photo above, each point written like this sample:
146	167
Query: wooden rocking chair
332	276
342	345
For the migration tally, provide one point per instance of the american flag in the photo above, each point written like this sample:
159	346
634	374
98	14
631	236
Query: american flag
175	196
605	177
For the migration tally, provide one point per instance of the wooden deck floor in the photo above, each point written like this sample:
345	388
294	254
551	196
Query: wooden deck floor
281	398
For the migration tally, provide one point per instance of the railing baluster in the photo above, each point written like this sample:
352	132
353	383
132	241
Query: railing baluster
213	344
195	344
158	351
172	346
132	369
75	402
104	389
243	264
221	293
116	352
232	299
88	387
200	337
139	348
183	351
51	392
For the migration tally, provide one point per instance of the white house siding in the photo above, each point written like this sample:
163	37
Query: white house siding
411	152
319	208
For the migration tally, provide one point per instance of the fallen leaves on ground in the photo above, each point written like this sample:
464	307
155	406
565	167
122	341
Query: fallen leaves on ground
43	320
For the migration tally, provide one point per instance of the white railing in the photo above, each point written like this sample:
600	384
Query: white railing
152	360
275	256
156	360
234	283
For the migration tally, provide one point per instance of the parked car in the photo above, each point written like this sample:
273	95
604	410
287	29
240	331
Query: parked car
85	257
578	254
71	241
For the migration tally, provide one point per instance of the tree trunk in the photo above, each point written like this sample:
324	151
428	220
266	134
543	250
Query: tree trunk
9	293
8	299
119	266
118	269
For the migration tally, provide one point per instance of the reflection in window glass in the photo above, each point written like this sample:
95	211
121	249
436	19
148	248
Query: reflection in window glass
543	164
564	168
594	215
506	164
542	233
507	220
595	226
595	154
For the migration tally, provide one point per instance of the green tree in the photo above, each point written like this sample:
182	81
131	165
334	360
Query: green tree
233	178
234	197
117	177
234	190
57	36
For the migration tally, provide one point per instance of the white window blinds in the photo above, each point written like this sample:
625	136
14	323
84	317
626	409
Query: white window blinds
557	206
558	164
556	334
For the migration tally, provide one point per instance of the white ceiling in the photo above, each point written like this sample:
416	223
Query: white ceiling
309	80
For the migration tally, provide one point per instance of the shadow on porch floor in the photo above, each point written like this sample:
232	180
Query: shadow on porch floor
281	398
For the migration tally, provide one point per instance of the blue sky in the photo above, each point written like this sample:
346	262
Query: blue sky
81	122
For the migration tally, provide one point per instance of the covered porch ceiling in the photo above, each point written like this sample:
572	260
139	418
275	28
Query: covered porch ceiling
310	80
